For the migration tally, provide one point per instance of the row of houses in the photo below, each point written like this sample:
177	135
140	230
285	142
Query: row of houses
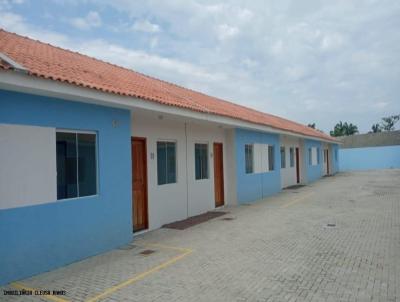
91	152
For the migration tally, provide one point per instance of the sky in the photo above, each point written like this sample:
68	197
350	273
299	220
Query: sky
309	61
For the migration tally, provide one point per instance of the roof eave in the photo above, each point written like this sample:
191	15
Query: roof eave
23	82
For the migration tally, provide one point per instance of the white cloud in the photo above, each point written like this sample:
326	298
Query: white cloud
144	62
146	26
17	24
91	20
332	41
225	32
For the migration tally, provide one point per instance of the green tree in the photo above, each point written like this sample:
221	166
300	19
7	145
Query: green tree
376	128
389	122
344	129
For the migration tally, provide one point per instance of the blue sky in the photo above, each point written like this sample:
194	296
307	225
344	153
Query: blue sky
310	61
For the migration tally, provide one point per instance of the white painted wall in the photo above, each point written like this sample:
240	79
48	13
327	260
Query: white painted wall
188	196
288	174
201	192
28	173
230	168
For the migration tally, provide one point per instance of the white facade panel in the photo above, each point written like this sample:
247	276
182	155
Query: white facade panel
230	168
288	174
201	192
314	156
28	172
187	197
260	158
168	202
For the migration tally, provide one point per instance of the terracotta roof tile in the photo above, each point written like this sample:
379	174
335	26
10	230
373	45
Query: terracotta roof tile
50	62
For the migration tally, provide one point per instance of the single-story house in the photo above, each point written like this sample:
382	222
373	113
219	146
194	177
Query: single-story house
91	152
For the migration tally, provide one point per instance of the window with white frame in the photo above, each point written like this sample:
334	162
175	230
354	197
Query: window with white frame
271	158
259	158
166	162
76	164
283	158
291	156
318	156
249	158
201	161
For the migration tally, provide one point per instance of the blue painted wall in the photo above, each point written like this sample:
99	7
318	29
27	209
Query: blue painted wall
255	186
313	172
39	238
370	158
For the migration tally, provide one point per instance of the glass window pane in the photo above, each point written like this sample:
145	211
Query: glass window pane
291	155
205	161
283	158
171	163
271	158
161	163
248	158
67	186
87	164
197	162
201	161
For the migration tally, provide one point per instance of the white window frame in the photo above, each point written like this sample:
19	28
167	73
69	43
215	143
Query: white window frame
208	159
176	160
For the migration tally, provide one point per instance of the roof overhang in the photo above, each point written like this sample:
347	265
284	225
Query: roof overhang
21	82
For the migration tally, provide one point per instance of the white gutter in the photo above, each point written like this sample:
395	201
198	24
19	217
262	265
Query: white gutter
16	66
35	85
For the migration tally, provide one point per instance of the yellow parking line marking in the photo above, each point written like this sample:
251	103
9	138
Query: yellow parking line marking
21	286
180	249
296	200
141	276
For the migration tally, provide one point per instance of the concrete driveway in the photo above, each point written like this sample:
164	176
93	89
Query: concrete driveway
337	239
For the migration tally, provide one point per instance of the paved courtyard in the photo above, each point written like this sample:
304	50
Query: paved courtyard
337	239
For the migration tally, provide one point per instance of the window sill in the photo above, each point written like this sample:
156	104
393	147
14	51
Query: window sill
80	197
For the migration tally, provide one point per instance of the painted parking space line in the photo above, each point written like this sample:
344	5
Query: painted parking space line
184	252
297	200
21	286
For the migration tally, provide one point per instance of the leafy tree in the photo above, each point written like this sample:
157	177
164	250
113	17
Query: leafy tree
389	122
344	129
376	128
311	125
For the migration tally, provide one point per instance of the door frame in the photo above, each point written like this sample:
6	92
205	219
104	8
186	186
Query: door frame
297	150
222	174
144	140
327	161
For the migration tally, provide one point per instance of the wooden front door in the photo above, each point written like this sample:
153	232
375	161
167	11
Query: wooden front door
297	165
218	175
139	184
327	161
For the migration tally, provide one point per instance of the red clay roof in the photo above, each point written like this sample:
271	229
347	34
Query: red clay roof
50	62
